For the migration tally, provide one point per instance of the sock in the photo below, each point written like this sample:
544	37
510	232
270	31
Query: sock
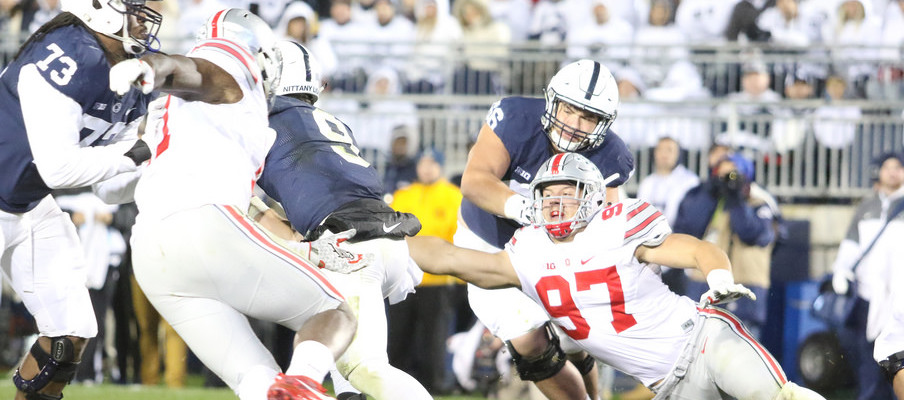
255	382
340	384
311	359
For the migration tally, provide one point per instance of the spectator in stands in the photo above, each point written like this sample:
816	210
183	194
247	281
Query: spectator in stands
856	29
863	327
391	37
739	216
423	321
608	37
192	14
47	9
785	24
486	41
174	350
435	34
658	44
670	180
383	111
704	21
682	83
515	14
103	250
299	23
348	33
401	168
664	189
755	83
743	22
835	125
790	127
634	123
549	22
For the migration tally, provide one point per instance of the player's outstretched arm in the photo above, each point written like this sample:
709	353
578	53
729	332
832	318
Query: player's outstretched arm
481	180
487	270
685	251
192	79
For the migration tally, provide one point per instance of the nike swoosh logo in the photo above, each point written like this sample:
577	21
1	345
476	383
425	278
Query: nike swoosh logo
388	229
586	261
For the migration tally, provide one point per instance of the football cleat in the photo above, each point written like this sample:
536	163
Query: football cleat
296	387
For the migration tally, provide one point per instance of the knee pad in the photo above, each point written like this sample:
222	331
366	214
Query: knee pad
58	366
586	365
543	366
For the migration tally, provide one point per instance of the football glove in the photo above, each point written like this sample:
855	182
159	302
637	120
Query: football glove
131	72
330	252
841	282
139	153
520	209
723	289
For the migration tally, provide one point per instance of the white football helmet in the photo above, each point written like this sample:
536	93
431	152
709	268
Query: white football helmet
250	31
111	18
590	193
587	85
301	73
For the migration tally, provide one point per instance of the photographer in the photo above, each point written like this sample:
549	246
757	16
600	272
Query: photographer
739	216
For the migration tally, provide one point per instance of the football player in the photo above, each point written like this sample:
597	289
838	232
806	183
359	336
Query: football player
316	173
62	127
201	261
519	134
595	271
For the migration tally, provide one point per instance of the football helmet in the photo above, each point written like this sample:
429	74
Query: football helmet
250	31
301	72
111	18
590	193
589	86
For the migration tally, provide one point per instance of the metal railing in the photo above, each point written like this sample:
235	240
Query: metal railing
799	155
799	148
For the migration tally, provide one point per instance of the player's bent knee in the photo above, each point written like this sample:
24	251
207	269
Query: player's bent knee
790	391
543	366
60	365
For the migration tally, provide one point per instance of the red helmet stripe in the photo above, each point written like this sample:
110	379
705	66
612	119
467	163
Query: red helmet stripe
215	22
554	168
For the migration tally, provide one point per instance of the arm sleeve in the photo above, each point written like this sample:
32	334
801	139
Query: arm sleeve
119	189
54	141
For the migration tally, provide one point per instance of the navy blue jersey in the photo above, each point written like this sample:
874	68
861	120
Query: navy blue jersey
72	62
516	120
313	167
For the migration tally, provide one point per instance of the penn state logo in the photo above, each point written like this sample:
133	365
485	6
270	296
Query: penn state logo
117	107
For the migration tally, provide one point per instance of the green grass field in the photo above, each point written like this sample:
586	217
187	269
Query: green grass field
194	391
138	392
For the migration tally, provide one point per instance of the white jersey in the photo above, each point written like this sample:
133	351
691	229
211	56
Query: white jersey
612	305
205	153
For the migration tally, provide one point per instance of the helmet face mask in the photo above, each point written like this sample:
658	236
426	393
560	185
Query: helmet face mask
112	18
567	192
589	87
251	32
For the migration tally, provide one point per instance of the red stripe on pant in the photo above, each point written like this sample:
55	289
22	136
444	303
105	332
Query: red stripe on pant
262	239
764	354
